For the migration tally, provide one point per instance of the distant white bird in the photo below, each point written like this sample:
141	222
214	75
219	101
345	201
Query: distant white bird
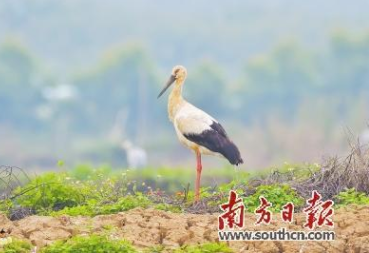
196	129
136	156
62	92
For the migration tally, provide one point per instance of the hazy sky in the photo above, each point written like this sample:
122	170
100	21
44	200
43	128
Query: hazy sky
71	33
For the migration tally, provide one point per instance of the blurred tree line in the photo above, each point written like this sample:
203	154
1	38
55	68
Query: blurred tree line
120	90
19	94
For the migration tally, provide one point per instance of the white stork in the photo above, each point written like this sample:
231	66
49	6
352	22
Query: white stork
196	129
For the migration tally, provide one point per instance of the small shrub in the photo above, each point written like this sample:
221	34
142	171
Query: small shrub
125	204
278	195
6	206
50	191
233	185
155	249
92	243
85	210
204	193
17	246
206	248
352	197
168	208
340	173
93	208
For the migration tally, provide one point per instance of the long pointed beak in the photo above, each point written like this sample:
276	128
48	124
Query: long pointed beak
170	81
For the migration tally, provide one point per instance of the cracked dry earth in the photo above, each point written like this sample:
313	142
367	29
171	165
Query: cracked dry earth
149	227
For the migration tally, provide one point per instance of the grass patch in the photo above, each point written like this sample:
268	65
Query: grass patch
351	197
206	248
94	208
278	195
49	192
92	243
16	246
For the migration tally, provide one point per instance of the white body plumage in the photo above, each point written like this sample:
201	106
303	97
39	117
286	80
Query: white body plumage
189	119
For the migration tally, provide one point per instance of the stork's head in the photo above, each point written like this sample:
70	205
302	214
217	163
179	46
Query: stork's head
179	74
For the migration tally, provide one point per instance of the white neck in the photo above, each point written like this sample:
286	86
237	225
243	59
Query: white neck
175	100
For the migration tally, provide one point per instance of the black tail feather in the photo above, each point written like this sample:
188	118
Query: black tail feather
231	152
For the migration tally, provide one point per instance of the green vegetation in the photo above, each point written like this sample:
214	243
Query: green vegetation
206	248
89	191
106	244
93	208
154	249
278	195
17	246
63	193
49	192
5	206
92	243
168	208
351	197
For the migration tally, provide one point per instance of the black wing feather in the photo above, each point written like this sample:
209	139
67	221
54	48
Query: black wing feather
218	127
216	140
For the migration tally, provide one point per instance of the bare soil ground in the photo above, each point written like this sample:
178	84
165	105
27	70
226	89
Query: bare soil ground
145	228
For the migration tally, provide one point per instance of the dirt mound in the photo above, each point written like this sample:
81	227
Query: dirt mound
151	227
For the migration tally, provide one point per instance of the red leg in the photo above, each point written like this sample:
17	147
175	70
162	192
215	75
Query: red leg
198	176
